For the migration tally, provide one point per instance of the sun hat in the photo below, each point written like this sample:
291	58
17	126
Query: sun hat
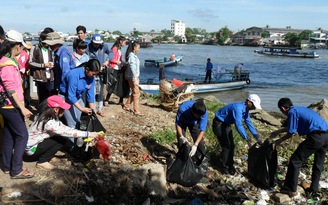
255	99
57	101
53	38
15	36
28	45
96	38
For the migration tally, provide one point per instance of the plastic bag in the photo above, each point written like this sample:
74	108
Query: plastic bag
185	170
263	164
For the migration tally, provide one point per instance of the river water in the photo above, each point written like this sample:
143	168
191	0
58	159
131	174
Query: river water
304	81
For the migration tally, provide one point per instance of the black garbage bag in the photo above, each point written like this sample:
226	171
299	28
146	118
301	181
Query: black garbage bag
263	164
185	170
89	123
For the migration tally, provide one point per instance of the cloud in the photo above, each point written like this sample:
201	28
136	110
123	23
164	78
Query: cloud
203	14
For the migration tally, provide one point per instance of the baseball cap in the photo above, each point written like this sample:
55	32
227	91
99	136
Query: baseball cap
255	99
15	36
96	38
57	101
53	38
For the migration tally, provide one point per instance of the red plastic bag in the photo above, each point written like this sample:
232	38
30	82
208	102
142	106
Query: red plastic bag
103	147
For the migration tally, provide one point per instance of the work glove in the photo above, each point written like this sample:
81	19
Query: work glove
183	139
249	142
193	150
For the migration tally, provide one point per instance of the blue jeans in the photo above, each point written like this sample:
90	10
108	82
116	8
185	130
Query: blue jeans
15	138
99	91
73	115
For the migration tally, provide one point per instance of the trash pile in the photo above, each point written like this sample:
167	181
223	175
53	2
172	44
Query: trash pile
173	93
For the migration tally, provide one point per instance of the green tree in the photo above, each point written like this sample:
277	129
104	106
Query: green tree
304	35
265	34
291	38
117	32
223	34
190	36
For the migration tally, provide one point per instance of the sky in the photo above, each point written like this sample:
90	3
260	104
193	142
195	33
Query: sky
146	15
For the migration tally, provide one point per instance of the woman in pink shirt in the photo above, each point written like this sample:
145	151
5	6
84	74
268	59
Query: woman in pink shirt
15	131
115	65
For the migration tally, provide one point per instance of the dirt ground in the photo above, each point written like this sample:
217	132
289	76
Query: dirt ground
125	130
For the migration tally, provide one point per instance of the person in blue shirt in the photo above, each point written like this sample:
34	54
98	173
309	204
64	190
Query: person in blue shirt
77	82
209	68
234	113
303	121
63	59
81	31
99	50
192	115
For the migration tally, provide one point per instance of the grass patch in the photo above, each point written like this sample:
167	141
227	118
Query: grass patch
167	136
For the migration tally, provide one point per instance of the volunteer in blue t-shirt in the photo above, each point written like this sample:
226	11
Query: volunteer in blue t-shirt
235	113
307	122
192	115
209	68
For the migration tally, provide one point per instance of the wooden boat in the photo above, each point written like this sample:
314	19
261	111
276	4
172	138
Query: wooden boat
226	81
166	61
286	52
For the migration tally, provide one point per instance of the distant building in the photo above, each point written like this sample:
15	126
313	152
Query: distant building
253	35
178	28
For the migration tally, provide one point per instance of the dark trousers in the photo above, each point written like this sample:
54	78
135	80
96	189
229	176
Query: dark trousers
194	132
224	134
208	75
15	138
44	90
47	149
316	144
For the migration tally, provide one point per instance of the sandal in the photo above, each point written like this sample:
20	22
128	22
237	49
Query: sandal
25	174
126	108
101	114
138	114
106	104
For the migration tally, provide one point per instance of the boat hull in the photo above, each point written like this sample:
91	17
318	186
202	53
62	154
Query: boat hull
201	87
286	54
164	61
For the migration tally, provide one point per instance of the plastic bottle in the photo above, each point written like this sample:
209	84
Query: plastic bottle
79	142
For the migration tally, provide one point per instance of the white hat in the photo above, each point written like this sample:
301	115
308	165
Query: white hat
255	99
15	36
53	38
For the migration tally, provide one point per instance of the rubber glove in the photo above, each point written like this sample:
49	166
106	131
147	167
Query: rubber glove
193	150
183	139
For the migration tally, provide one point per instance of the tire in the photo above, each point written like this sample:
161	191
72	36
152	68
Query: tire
248	81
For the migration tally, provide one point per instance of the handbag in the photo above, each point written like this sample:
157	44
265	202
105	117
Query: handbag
5	95
128	73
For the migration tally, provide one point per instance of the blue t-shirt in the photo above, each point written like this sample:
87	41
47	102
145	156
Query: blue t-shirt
304	120
236	113
76	83
185	117
209	66
63	64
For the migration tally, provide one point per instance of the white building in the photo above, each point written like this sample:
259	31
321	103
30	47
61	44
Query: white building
178	28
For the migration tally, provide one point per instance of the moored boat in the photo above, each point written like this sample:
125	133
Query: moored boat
166	61
286	52
226	81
